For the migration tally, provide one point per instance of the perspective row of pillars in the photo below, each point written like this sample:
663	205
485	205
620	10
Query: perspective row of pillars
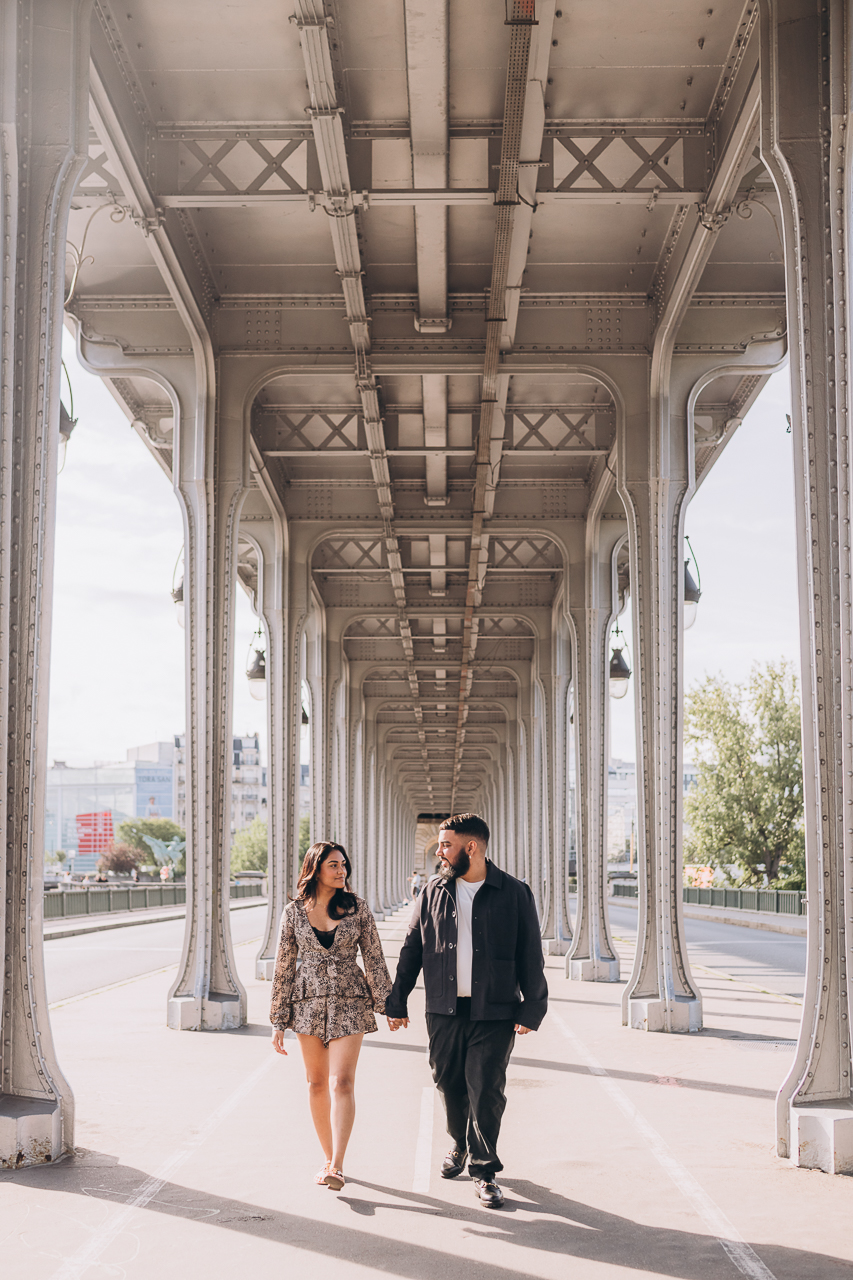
805	143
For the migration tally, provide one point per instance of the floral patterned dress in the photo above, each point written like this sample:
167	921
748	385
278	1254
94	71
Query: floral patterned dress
328	995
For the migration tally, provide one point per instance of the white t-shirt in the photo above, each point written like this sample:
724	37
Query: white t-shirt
466	891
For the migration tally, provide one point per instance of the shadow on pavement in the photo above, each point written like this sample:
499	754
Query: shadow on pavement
576	1068
534	1218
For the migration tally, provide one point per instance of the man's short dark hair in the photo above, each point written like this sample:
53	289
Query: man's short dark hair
467	824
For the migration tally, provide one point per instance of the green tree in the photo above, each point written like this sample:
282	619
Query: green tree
304	836
121	858
132	831
747	806
249	848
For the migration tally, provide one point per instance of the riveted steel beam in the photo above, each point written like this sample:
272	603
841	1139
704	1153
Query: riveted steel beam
523	124
334	169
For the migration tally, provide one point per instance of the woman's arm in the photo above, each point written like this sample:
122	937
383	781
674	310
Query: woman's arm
285	972
375	968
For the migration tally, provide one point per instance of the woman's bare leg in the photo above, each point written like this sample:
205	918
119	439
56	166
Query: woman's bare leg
315	1055
343	1058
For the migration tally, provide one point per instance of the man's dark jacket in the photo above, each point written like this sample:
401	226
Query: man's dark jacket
508	971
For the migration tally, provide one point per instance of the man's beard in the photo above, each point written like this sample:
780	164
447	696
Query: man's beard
452	871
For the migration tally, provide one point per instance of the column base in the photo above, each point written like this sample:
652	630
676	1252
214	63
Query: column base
30	1132
213	1013
556	946
679	1016
264	970
588	970
822	1137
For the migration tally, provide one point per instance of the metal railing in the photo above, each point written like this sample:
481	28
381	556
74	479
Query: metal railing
61	904
783	902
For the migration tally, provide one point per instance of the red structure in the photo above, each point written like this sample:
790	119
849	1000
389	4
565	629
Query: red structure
94	832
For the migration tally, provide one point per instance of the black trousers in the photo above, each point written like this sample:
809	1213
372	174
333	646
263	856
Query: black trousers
469	1062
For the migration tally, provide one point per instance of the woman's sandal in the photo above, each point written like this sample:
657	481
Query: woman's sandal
320	1178
334	1179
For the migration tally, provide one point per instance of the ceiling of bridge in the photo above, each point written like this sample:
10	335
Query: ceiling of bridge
432	247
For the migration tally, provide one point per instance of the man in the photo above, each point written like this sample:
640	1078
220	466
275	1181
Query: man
475	933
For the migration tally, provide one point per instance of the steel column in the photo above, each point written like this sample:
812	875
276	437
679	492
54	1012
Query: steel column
806	144
43	135
654	469
592	957
211	480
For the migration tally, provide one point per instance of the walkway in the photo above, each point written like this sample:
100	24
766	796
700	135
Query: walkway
626	1155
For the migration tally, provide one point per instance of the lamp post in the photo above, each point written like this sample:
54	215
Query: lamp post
67	421
692	594
178	590
256	674
178	597
620	674
256	669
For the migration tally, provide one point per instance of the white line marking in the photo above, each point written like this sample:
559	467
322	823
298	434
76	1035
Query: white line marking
88	1254
741	1254
423	1151
125	982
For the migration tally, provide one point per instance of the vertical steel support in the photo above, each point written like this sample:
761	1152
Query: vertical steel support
654	469
592	957
556	928
44	55
806	144
270	538
211	479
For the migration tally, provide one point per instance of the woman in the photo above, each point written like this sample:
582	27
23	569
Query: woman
328	1002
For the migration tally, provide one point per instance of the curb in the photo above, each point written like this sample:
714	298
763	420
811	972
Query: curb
52	934
755	920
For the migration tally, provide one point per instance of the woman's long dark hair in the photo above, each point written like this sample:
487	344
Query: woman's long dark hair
343	901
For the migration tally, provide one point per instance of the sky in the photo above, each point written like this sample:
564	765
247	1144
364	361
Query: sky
741	527
117	661
117	666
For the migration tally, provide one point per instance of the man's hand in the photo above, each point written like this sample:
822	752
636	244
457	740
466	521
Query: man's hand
278	1042
522	1031
394	1024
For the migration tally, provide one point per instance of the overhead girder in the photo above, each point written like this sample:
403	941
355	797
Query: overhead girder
301	323
554	335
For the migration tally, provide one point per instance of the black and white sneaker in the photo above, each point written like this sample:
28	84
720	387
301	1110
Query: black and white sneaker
488	1193
453	1164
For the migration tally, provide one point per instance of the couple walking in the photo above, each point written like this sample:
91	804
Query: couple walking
474	933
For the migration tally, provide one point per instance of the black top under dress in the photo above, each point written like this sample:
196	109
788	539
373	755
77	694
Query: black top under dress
325	937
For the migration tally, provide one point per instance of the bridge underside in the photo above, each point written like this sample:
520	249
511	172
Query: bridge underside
437	317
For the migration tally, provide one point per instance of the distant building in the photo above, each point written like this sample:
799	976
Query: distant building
84	806
622	805
304	790
248	782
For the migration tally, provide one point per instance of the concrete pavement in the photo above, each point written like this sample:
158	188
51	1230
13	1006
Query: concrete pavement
769	921
768	961
79	963
626	1155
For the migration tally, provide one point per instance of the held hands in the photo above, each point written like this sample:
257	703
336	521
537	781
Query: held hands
394	1024
278	1042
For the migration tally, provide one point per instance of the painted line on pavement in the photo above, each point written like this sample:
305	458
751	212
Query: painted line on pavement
741	1254
750	986
125	982
88	1254
727	977
423	1150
